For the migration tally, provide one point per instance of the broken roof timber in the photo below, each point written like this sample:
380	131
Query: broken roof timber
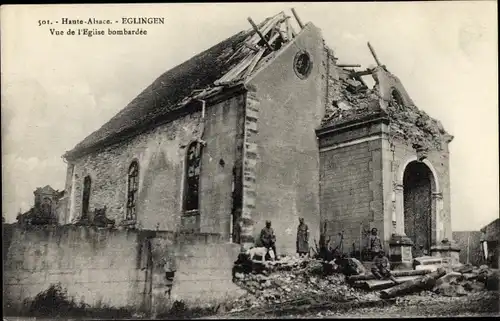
289	29
348	65
251	58
259	33
361	73
374	54
170	96
298	19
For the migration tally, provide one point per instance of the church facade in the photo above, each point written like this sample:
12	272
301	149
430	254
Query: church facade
263	126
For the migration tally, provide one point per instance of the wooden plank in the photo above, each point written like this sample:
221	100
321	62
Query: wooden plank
374	54
282	34
274	22
274	37
423	283
347	65
370	276
362	73
297	18
289	30
266	28
241	50
255	60
375	285
250	46
259	33
231	75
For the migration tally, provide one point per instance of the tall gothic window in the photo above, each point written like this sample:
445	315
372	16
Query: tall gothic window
193	164
86	196
133	187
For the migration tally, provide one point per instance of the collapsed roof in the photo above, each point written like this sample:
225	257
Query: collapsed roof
351	99
236	59
222	66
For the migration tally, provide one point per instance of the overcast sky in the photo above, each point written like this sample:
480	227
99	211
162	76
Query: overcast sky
57	90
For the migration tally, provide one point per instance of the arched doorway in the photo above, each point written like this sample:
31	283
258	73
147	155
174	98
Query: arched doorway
418	186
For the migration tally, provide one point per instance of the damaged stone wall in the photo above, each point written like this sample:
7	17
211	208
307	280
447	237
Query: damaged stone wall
351	183
438	163
161	155
118	268
193	268
409	133
349	98
94	265
287	166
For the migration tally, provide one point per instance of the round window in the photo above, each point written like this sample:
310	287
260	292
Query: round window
302	64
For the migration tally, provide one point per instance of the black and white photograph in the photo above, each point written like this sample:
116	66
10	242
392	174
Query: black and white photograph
266	160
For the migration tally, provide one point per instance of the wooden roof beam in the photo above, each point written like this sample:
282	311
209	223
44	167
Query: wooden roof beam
374	54
348	66
254	26
297	18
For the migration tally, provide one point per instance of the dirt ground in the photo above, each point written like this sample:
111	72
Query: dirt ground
481	304
477	304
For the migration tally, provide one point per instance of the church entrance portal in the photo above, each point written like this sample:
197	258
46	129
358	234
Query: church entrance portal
418	183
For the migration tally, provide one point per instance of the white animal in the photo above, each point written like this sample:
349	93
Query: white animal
261	251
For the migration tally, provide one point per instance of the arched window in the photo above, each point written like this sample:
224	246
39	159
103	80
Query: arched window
133	187
396	98
193	164
86	196
47	207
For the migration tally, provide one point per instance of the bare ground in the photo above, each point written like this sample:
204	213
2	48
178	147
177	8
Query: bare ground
478	304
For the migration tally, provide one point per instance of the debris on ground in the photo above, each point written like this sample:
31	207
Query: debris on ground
295	281
425	282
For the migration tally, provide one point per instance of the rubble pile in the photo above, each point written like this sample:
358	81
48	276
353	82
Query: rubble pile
449	281
466	279
350	98
416	127
293	278
302	281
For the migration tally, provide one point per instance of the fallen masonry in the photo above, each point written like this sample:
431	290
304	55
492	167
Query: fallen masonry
294	282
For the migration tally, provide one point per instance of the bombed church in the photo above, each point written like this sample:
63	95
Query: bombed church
270	125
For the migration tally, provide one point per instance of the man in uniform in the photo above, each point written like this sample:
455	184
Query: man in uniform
268	238
381	268
375	243
302	238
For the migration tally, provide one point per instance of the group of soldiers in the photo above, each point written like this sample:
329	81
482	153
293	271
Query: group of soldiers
381	264
268	238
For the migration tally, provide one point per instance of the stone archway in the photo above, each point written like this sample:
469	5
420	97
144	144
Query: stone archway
419	208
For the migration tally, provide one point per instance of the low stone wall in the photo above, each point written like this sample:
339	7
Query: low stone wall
117	268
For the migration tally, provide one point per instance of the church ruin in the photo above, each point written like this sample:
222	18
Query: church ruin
269	125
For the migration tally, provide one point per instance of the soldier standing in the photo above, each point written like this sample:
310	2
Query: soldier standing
302	238
268	238
375	243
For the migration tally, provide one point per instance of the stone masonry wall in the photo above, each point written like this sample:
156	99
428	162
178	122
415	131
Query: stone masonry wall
351	184
115	268
161	156
287	164
93	265
402	154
